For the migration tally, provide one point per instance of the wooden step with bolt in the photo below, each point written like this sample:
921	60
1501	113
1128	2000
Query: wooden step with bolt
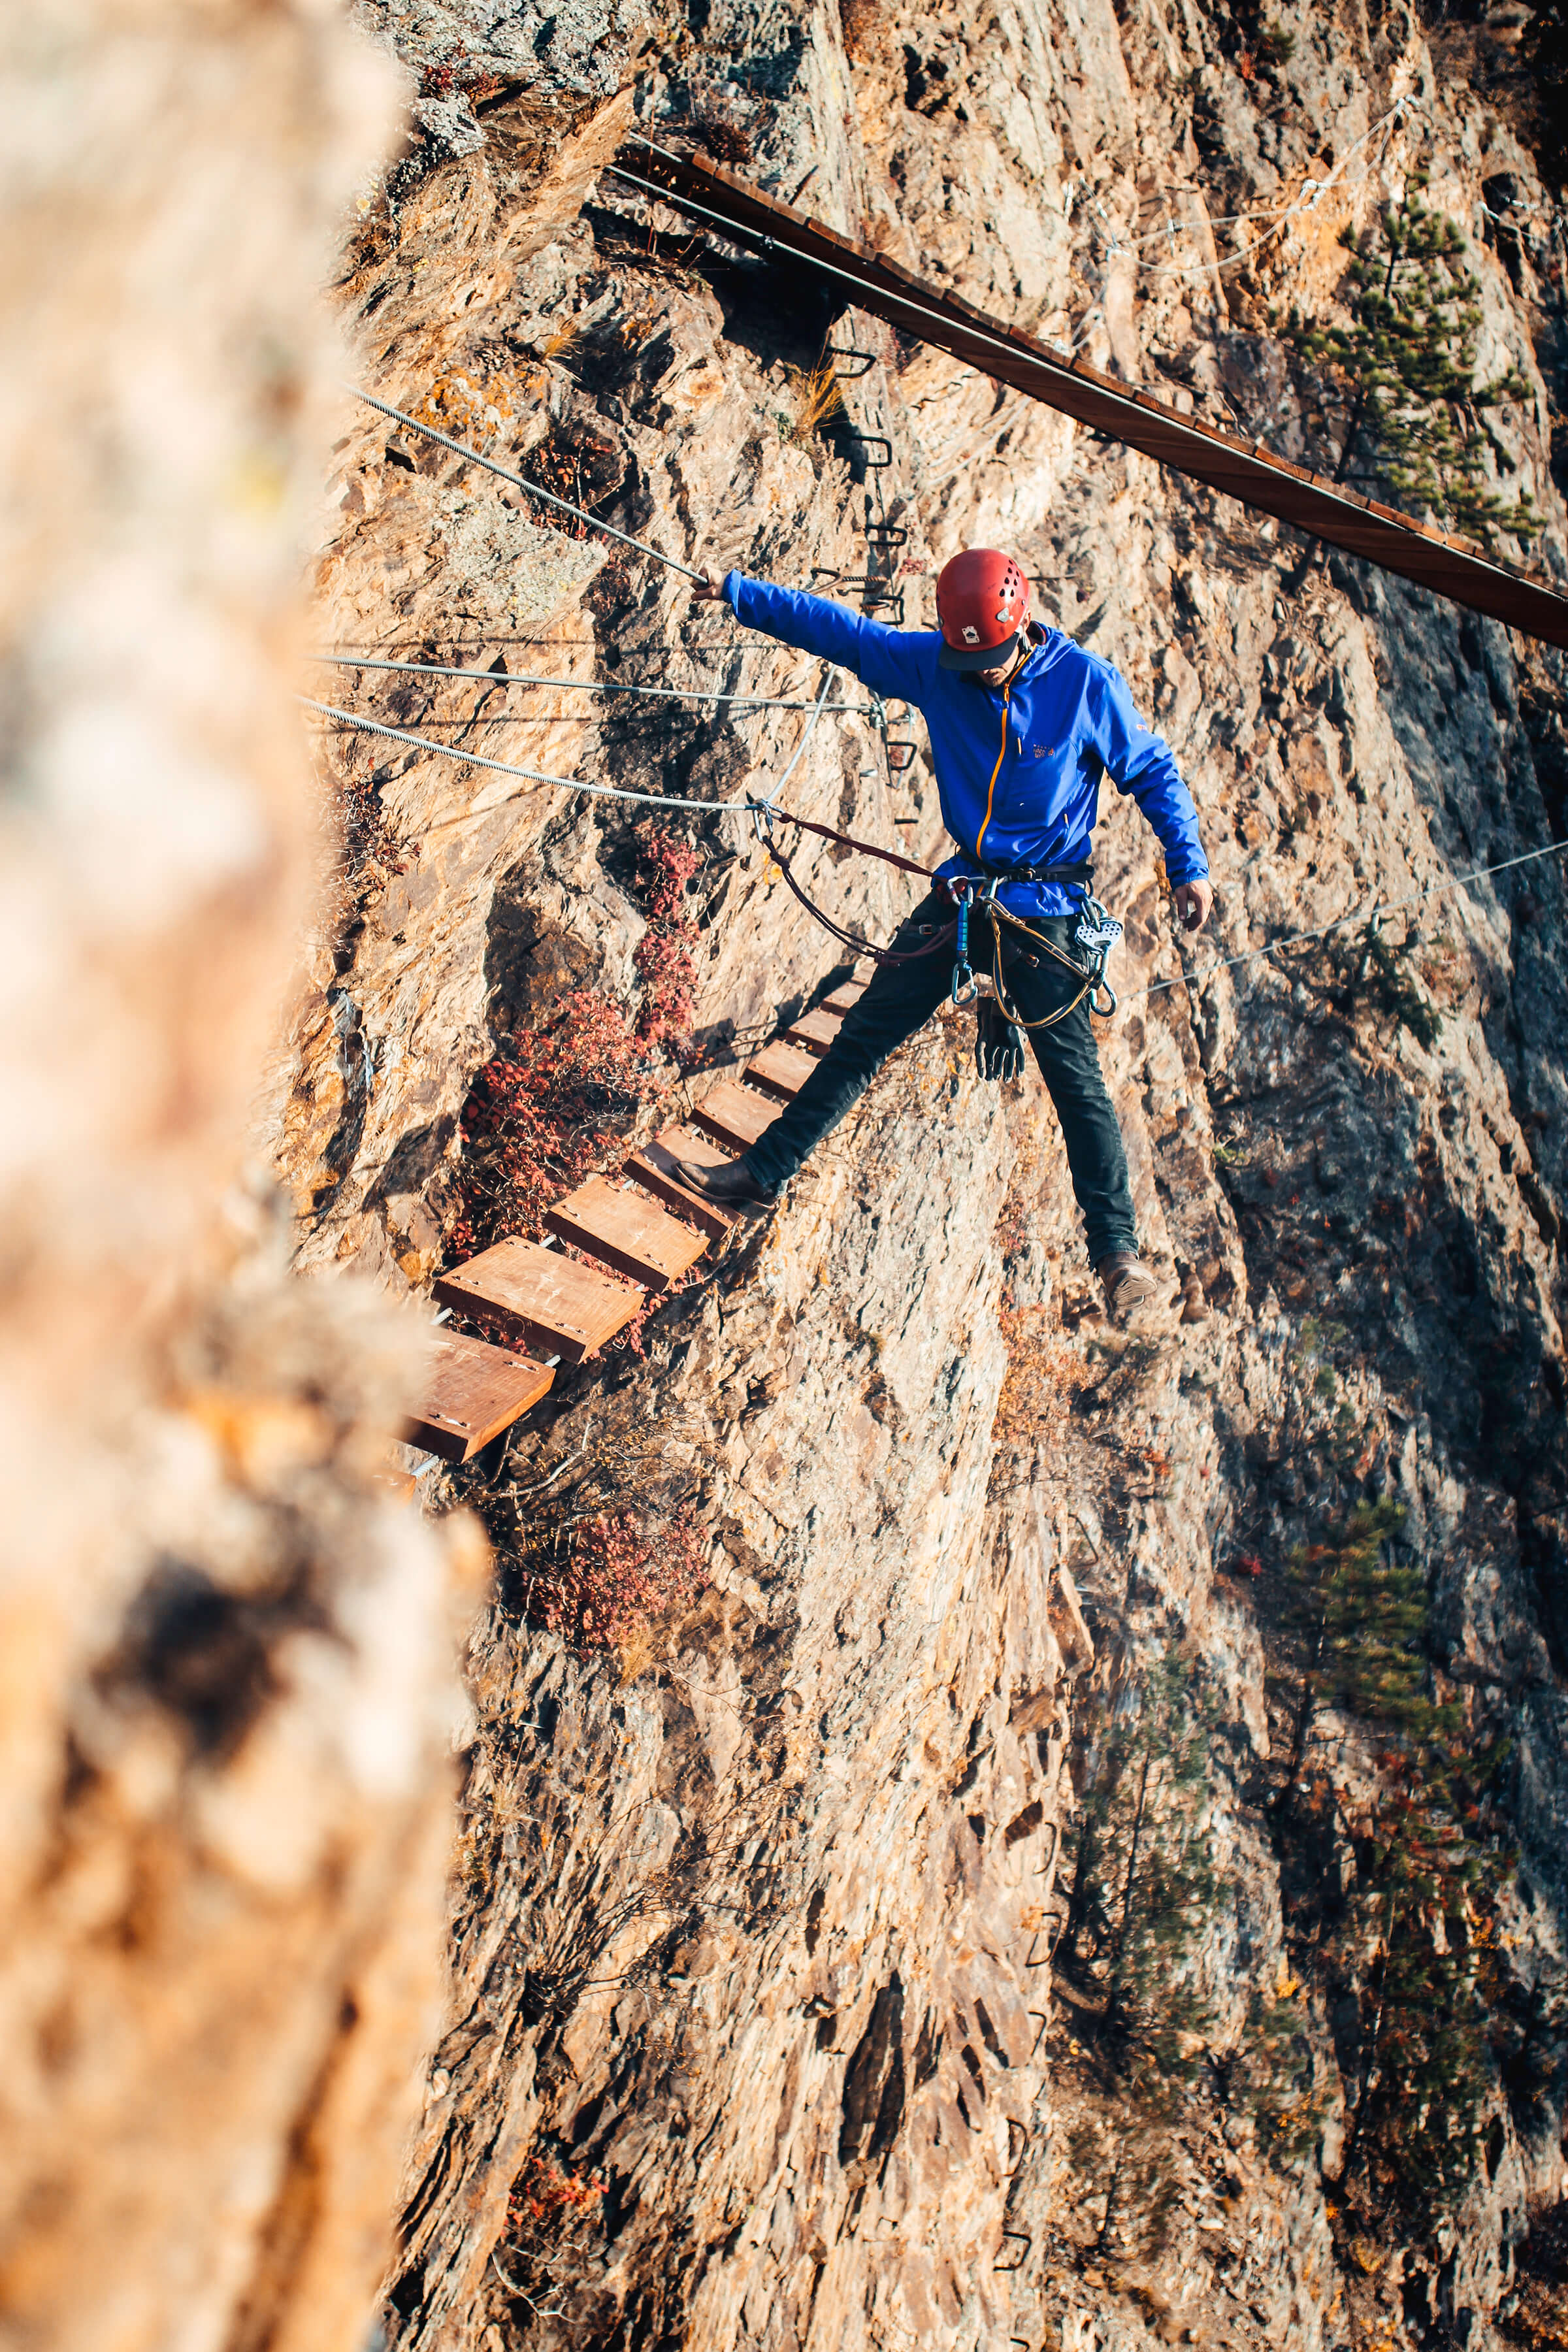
628	1233
734	1114
651	1168
472	1392
816	1030
848	993
782	1069
542	1297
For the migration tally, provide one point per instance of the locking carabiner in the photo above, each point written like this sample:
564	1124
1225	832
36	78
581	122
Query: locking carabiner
966	988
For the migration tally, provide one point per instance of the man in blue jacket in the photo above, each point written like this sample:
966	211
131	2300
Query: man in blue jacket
1022	724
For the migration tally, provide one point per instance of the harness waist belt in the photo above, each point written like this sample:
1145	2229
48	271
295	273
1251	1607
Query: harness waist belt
1080	873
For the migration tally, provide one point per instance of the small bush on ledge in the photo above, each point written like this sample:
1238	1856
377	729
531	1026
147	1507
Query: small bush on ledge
546	1114
601	1579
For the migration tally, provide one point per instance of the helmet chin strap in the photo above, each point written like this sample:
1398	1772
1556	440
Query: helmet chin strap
1022	648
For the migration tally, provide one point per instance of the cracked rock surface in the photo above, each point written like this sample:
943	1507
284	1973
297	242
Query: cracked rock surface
753	1923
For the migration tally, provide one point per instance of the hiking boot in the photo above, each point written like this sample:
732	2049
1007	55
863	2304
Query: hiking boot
1127	1283
733	1185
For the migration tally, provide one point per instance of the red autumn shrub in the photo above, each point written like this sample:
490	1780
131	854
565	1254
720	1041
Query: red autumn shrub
663	963
618	1570
544	2195
546	1114
556	1106
666	864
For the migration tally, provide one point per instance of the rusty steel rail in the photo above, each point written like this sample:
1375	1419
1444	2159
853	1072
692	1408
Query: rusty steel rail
1444	561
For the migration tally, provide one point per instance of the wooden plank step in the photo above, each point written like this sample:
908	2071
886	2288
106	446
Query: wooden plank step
547	1300
734	1114
472	1392
816	1029
782	1069
627	1232
848	993
651	1168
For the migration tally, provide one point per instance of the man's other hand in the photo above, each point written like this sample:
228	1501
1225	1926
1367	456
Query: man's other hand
710	589
1193	901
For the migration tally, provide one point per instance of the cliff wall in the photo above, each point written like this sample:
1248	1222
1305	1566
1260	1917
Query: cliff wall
752	2017
226	1659
958	1910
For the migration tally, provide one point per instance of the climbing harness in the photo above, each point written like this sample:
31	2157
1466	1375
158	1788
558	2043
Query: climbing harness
1086	975
759	808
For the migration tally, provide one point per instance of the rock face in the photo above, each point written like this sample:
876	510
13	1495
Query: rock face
753	2035
225	1656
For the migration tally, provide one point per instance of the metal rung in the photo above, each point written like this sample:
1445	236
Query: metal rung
900	743
887	534
851	375
1026	2241
875	464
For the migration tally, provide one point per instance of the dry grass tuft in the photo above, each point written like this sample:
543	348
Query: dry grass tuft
562	341
819	398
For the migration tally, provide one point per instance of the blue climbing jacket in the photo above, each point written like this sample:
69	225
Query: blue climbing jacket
1018	769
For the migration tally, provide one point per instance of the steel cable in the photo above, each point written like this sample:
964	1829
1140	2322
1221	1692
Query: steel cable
1363	912
590	685
520	482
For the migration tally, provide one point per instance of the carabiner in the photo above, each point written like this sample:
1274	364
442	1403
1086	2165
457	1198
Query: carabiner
964	989
1106	1013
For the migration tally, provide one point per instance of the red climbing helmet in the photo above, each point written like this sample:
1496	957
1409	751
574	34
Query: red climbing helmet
981	603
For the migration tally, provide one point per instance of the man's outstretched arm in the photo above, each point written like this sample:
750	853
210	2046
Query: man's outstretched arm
886	660
1142	763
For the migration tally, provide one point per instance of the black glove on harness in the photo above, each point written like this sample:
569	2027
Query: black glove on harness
998	1042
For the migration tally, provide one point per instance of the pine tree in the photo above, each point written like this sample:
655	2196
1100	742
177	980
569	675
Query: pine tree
1360	1617
1404	372
1417	1937
1143	1882
1423	1912
1143	1896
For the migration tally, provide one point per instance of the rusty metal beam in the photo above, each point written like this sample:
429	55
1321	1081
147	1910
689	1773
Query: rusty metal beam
1448	564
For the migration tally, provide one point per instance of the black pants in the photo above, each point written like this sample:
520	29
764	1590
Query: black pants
902	996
